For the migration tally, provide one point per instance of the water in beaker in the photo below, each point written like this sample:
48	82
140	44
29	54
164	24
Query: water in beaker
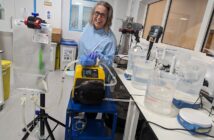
137	51
160	92
141	72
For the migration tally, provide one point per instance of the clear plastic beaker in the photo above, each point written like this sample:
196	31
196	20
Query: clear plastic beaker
159	93
190	77
165	58
137	51
142	70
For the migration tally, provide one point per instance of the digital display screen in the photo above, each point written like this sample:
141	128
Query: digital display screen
93	73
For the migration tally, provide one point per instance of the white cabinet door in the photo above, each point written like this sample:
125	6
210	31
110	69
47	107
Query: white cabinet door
6	15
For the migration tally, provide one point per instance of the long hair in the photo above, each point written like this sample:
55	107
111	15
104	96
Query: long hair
109	14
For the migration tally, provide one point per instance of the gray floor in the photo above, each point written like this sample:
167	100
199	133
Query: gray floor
11	120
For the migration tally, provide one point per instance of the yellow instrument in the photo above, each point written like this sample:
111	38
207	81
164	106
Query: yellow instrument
88	85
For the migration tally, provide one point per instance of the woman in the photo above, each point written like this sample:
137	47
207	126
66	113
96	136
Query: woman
97	39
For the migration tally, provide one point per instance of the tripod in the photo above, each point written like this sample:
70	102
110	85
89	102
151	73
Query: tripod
42	117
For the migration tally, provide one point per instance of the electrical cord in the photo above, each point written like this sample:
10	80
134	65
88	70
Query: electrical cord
112	75
210	112
199	97
181	129
201	106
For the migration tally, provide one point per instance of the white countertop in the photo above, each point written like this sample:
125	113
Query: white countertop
166	121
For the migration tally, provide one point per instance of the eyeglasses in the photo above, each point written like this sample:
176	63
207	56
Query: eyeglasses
102	15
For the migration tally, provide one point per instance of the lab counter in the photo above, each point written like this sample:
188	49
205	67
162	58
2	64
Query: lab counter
136	107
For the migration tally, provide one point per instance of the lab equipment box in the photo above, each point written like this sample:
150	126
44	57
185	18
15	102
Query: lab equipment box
56	35
67	53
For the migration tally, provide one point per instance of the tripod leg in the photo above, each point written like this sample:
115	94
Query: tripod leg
32	123
58	122
27	134
49	129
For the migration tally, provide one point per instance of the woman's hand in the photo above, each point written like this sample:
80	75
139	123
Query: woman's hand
94	55
87	61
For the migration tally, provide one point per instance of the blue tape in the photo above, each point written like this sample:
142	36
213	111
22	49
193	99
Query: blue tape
127	76
182	104
192	128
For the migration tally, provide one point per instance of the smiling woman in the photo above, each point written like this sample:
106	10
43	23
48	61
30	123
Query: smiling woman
101	16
